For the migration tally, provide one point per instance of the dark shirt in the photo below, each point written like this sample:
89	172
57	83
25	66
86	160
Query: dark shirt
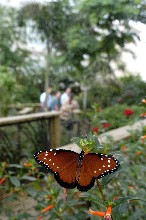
55	105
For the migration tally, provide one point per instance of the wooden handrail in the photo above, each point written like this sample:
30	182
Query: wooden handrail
54	123
116	134
36	107
11	120
23	105
122	132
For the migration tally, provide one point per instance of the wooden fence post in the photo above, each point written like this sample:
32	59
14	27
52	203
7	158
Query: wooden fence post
55	130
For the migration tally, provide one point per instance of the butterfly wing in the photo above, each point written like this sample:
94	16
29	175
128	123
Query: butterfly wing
62	163
95	166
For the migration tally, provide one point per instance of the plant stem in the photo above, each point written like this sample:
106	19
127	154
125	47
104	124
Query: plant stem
100	190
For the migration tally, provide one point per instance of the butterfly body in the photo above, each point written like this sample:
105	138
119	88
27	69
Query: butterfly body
72	170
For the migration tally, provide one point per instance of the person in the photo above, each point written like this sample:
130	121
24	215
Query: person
69	107
43	99
65	96
55	105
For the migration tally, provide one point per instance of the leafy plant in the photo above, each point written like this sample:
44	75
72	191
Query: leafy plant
112	117
121	195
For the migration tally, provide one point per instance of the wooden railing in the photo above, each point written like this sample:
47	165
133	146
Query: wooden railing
54	118
122	133
116	135
23	123
25	108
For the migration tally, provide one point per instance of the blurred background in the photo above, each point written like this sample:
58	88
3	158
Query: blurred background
96	48
84	44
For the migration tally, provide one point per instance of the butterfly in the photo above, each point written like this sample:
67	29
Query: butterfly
72	170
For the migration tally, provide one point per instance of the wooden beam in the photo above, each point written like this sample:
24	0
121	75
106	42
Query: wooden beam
12	120
55	132
23	105
122	132
117	135
25	111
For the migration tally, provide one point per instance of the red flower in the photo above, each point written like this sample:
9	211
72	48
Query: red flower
128	112
40	217
2	180
27	164
124	148
106	125
48	208
138	153
96	213
106	215
95	129
49	197
115	198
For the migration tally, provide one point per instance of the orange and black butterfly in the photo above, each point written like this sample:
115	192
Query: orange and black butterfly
72	170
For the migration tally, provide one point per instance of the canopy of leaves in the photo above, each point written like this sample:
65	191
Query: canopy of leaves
11	38
82	39
99	29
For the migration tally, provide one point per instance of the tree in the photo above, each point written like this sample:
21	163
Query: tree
11	40
98	29
16	63
93	32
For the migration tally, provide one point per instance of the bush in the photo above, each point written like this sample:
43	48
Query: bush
112	117
124	90
121	194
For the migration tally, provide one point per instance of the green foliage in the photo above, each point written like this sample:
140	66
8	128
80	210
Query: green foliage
16	64
95	32
90	143
114	115
129	89
18	142
8	89
95	29
133	89
12	55
92	32
51	21
124	190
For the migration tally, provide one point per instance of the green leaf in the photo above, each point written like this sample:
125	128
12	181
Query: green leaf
94	199
126	199
32	192
107	179
120	211
15	165
30	178
14	181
